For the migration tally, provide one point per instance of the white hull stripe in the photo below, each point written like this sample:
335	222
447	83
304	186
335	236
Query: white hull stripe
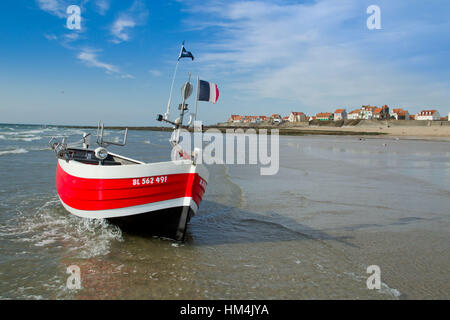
81	170
128	211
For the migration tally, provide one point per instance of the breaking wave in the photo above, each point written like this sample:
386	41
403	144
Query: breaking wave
25	138
15	151
50	226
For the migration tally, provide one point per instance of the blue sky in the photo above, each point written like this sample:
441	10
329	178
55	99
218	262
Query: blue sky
266	57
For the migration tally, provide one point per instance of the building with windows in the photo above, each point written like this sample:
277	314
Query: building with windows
297	117
428	115
354	115
367	112
400	114
340	114
235	118
324	116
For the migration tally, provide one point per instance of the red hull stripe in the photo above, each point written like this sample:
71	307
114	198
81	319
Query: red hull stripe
104	194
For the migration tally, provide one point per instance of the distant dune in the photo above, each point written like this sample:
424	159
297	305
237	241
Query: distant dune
434	130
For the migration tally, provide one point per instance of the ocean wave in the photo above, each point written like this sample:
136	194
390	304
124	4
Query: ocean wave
52	227
41	149
19	136
30	139
15	151
36	131
25	132
26	139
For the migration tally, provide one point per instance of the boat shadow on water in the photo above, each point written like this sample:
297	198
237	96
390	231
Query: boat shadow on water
217	224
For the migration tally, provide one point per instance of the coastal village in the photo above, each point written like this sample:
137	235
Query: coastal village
364	113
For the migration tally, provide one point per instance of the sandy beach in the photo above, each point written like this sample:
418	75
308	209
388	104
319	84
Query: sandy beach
423	130
425	133
337	205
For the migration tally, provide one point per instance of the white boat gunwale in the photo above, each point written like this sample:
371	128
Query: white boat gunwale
132	171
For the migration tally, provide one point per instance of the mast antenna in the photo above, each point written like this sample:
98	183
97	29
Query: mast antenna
167	114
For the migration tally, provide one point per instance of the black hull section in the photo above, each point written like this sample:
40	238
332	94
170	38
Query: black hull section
168	223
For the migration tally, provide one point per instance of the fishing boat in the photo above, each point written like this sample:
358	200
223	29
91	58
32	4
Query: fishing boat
160	198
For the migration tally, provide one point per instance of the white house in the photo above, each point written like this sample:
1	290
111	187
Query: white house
236	118
428	115
340	114
297	117
367	112
400	114
353	115
449	116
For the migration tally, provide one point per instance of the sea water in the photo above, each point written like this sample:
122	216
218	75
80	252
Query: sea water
337	206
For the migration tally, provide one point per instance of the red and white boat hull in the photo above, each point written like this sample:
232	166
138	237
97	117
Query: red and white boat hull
125	191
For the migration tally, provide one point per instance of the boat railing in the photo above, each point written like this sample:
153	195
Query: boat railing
103	143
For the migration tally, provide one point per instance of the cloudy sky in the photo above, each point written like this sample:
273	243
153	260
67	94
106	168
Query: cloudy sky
266	57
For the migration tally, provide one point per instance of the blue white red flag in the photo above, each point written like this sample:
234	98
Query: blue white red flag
208	91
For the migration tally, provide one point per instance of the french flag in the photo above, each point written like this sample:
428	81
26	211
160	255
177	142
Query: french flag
208	91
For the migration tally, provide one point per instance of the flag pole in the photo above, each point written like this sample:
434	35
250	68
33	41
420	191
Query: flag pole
167	114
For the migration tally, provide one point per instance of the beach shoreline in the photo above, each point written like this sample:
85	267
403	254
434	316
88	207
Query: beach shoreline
407	130
404	133
395	129
367	129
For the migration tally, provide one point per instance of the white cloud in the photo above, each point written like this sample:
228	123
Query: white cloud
155	73
102	6
136	15
327	77
316	55
58	7
54	7
90	58
50	37
72	36
127	76
119	28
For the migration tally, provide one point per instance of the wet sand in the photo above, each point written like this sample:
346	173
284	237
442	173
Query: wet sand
361	203
404	132
336	206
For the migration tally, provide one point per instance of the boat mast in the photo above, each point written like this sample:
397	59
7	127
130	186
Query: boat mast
187	89
167	114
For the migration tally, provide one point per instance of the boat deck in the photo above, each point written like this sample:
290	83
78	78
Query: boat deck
87	156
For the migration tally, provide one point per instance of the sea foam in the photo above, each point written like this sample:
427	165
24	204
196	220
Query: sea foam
15	151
